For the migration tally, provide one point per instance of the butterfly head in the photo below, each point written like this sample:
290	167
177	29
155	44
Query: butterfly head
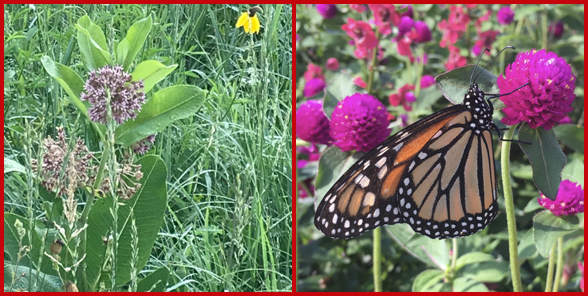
480	108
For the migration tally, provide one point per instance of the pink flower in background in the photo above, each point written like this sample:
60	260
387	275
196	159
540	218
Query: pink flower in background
403	47
358	7
556	28
313	87
364	37
420	33
427	80
327	10
385	16
455	60
359	82
313	71
312	124
332	64
405	26
409	12
505	15
485	40
454	26
403	97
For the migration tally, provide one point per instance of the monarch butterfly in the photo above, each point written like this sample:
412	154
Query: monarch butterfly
437	175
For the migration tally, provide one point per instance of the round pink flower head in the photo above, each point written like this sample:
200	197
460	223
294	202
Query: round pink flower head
327	10
505	15
312	124
359	122
569	200
332	64
313	87
548	97
557	28
427	80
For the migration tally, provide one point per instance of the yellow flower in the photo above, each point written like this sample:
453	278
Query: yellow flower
249	21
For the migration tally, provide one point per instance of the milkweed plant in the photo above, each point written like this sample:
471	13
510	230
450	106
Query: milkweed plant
121	188
366	71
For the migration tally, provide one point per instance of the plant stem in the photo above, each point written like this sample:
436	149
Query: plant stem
560	264
377	259
549	282
510	214
372	66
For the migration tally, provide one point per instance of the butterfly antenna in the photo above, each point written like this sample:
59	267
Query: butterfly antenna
491	61
494	96
474	70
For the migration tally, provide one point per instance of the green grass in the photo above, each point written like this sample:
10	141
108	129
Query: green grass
228	221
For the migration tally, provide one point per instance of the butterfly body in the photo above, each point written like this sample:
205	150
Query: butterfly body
437	175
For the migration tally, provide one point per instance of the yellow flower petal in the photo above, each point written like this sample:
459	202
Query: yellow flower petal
242	19
254	24
247	25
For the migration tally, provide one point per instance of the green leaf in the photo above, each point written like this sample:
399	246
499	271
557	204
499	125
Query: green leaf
151	72
166	106
13	166
332	164
42	281
489	272
427	279
92	44
465	284
571	136
547	228
545	156
473	257
427	97
527	247
147	206
154	282
454	84
574	170
127	49
69	80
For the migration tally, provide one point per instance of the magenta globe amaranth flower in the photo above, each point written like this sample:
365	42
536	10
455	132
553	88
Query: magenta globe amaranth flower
312	124
556	28
327	10
359	122
313	87
427	80
113	84
505	15
569	200
421	33
548	97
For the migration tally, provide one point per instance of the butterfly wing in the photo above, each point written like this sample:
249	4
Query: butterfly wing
366	196
450	189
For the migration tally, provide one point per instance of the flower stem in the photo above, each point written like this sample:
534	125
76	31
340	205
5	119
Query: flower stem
510	214
372	66
560	264
549	282
377	255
